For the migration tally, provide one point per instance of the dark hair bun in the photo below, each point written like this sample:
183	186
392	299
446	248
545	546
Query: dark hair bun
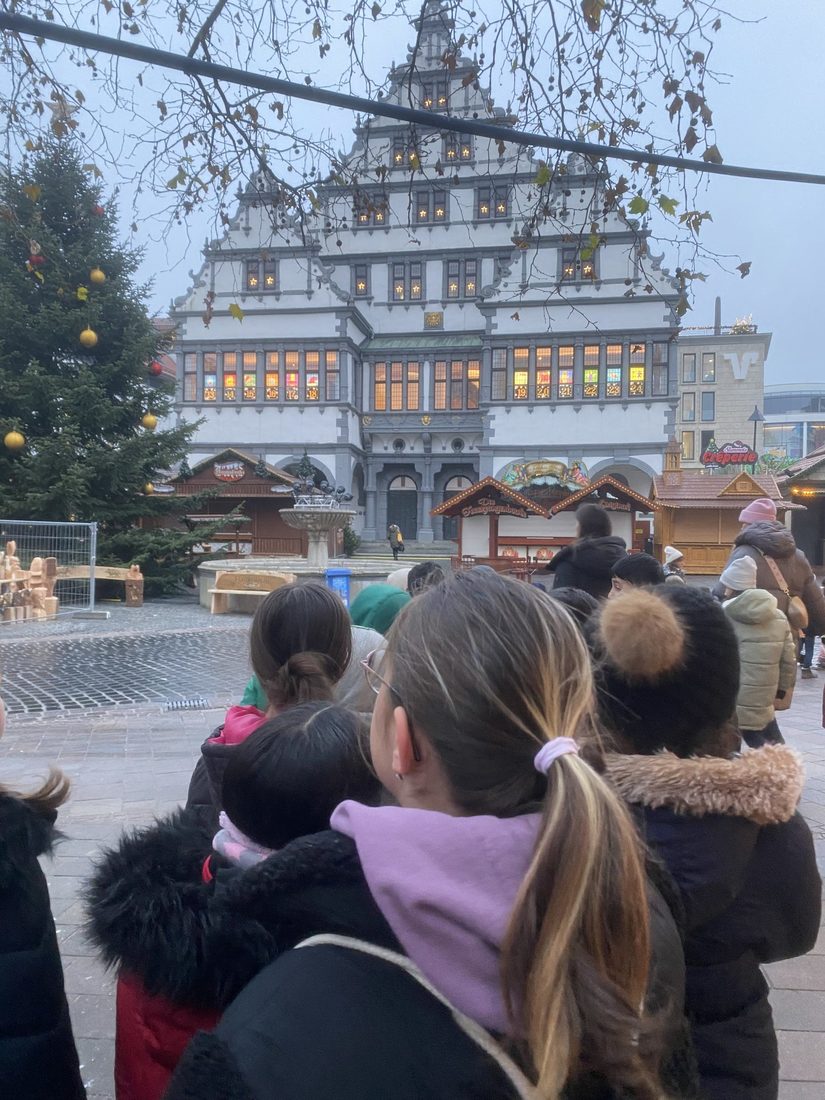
642	636
302	678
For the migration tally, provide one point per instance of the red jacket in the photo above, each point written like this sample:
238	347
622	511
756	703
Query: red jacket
152	1034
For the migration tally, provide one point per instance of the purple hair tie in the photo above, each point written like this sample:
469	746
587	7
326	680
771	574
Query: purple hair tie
551	751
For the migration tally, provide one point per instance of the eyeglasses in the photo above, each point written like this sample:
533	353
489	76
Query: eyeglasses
376	681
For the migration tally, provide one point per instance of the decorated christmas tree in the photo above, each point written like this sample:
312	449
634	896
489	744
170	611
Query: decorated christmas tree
82	434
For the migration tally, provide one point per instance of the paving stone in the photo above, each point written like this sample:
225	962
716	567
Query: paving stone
800	1090
799	1010
802	1057
807	972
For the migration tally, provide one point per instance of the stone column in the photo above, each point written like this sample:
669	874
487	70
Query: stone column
425	520
370	533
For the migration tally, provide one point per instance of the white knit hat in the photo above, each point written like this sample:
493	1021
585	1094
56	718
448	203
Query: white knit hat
672	555
740	574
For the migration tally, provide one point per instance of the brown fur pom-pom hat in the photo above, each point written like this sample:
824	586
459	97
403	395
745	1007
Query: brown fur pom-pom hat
668	672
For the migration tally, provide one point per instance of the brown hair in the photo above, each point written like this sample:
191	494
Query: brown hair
489	669
300	643
48	798
593	521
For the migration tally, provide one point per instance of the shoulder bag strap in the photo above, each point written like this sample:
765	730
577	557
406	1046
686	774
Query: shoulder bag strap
479	1035
778	575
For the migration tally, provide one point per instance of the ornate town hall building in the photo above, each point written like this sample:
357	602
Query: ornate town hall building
420	332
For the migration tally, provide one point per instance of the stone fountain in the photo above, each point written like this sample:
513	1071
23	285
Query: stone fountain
318	513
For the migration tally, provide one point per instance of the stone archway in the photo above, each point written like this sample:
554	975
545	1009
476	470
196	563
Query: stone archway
456	484
402	505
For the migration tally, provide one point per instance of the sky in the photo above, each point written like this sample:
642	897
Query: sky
767	114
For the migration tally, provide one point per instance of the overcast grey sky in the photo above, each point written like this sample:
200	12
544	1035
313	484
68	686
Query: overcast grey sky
769	114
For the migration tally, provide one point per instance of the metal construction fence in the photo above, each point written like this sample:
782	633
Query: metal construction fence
46	569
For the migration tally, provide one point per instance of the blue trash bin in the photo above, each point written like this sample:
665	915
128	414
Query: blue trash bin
339	580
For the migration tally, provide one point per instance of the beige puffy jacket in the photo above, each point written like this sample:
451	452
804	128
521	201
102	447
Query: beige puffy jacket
767	655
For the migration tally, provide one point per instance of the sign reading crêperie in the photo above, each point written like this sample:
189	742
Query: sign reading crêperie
488	506
730	454
229	471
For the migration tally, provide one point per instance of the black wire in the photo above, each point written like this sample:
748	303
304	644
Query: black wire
20	24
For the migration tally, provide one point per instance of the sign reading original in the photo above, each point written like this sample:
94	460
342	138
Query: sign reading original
487	506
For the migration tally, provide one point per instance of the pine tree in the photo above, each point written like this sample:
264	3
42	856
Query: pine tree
88	453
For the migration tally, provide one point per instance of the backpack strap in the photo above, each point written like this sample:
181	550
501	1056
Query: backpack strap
524	1088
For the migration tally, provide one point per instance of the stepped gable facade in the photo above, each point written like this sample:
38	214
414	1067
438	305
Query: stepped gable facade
422	330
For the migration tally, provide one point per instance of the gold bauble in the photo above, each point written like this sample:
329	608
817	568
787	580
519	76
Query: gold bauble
88	337
14	440
150	422
96	275
148	488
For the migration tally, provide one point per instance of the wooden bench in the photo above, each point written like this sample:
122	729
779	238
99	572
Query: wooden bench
232	582
132	578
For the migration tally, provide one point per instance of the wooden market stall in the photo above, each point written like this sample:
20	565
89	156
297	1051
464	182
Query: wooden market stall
699	511
503	528
803	482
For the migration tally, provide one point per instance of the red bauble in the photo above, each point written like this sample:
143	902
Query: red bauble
35	260
98	210
155	369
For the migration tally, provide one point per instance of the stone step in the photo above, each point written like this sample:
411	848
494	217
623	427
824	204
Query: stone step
419	551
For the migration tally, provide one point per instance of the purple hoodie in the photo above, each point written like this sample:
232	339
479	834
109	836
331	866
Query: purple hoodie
446	886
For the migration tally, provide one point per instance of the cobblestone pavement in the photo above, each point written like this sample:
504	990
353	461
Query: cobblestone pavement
129	764
165	651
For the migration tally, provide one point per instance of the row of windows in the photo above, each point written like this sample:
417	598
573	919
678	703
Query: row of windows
689	444
454	149
396	387
708	366
372	208
707	406
526	374
460	279
268	376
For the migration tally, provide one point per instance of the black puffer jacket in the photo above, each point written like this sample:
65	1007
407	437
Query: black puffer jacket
775	540
586	564
745	864
38	1060
201	944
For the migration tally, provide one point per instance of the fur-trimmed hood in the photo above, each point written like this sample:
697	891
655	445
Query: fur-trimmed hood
763	785
197	943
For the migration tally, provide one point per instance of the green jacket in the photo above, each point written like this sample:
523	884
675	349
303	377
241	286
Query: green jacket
767	654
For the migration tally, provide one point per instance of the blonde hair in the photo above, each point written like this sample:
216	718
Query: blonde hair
48	798
490	669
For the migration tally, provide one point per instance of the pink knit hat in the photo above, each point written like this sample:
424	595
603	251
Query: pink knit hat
760	510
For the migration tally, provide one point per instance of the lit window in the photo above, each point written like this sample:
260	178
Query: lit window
483	203
441	93
637	373
498	387
270	275
591	370
427	101
708	366
253	274
413	387
576	266
379	387
466	150
272	376
521	373
396	387
501	201
250	375
457	150
457	384
588	269
230	382
688	445
439	206
544	361
416	284
453	279
473	383
210	376
379	214
440	390
689	367
689	407
568	263
312	377
614	382
470	278
422	206
566	355
399	149
292	377
361	280
398	281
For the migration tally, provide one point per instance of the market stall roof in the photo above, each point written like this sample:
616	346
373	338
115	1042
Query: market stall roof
812	466
694	489
604	489
234	473
488	490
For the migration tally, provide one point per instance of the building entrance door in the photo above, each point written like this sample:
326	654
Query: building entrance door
402	506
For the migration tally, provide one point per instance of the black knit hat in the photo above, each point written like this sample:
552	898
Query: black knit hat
668	670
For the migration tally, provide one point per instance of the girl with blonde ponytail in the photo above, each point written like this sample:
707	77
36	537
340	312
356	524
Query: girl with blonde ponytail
498	937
